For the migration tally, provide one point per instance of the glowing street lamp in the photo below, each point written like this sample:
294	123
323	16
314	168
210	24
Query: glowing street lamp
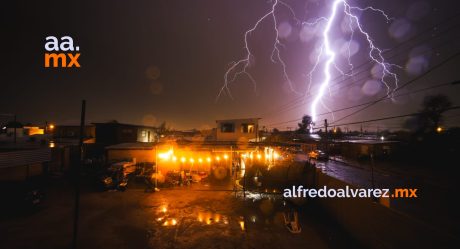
439	129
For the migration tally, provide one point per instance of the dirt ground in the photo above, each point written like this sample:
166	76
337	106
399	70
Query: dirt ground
199	216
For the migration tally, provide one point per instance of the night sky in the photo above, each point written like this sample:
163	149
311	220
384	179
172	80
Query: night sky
147	61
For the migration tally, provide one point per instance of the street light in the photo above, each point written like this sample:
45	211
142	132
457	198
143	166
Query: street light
439	129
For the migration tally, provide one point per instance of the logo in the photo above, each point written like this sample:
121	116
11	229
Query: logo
66	58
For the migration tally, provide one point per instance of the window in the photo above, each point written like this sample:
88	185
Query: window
143	133
127	131
227	128
247	128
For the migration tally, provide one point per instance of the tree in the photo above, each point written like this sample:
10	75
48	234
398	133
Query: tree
162	129
430	117
433	107
305	125
337	132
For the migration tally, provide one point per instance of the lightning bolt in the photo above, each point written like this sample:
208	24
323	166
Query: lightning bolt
326	54
241	66
375	53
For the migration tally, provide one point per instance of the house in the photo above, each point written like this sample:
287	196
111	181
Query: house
138	152
238	130
13	129
364	148
33	130
110	133
72	132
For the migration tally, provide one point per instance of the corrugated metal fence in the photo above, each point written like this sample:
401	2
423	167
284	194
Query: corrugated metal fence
24	157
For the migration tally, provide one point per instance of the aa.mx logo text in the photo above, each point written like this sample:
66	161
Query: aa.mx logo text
67	58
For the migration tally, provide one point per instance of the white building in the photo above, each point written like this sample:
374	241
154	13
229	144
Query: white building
238	130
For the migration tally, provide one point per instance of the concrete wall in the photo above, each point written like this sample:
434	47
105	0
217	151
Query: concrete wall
377	226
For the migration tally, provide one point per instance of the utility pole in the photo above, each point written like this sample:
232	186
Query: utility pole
14	127
156	168
326	137
372	168
77	176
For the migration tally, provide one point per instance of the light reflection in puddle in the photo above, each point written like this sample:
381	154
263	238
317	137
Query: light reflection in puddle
164	216
170	222
209	218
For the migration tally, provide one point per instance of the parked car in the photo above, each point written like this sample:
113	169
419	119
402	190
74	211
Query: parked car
318	155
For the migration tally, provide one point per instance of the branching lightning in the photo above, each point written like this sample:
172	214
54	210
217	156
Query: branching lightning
326	54
241	66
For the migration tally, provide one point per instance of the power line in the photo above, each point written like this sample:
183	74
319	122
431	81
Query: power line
388	97
401	87
295	103
387	118
369	104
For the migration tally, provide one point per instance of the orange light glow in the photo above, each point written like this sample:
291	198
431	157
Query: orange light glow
218	158
183	159
170	222
208	159
242	225
166	155
225	156
200	160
